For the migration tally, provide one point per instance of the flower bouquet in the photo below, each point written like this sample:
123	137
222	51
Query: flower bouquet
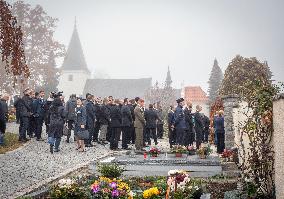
154	152
227	155
191	150
181	186
204	151
110	188
179	150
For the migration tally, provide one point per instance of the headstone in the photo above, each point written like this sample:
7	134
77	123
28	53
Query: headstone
229	102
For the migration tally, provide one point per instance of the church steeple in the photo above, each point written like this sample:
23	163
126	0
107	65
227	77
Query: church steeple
169	81
74	59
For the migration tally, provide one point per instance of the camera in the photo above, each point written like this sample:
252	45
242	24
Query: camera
56	94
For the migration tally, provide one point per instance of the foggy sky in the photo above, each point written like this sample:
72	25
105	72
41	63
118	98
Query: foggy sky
140	38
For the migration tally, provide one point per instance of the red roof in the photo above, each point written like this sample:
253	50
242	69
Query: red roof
195	94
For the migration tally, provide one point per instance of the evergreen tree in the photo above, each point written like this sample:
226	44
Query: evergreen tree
215	81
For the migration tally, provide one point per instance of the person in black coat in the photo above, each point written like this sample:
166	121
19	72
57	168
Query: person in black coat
189	134
103	117
206	122
220	130
151	118
127	121
172	137
115	124
71	115
199	125
25	109
179	121
16	105
57	116
132	137
38	114
91	119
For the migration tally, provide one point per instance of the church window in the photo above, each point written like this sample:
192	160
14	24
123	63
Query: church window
70	78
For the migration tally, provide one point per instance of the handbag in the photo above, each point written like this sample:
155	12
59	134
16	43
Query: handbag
65	130
83	134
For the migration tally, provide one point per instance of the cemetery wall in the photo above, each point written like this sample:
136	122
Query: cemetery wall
278	124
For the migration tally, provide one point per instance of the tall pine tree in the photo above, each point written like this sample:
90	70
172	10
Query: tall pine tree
214	82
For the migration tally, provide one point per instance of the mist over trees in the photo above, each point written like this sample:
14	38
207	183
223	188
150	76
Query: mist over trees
41	49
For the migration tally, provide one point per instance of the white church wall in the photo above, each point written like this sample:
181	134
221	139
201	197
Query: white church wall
73	82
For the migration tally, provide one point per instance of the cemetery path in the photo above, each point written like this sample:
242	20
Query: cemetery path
33	165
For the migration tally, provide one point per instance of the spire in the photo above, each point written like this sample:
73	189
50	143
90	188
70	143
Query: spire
169	81
74	59
215	62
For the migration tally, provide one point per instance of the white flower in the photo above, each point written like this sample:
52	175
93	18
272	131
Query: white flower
65	183
196	188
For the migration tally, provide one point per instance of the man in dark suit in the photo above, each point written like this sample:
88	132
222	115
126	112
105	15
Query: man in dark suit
199	125
127	122
90	120
38	114
151	118
115	124
179	121
25	115
206	122
172	137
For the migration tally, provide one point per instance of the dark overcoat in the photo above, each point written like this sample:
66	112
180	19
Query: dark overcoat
126	116
151	118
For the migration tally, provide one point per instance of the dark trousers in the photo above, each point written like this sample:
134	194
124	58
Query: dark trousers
151	132
91	135
70	125
38	127
125	136
132	135
108	135
198	139
160	130
18	116
206	134
220	142
24	125
172	135
179	136
188	137
114	137
96	131
2	126
32	126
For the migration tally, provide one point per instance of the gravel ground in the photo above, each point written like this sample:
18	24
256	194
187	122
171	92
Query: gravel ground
33	164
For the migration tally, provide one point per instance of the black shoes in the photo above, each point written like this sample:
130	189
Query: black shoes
51	148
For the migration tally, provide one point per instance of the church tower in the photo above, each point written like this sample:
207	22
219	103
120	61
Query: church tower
74	70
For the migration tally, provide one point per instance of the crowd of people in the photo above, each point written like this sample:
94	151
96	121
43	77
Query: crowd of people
95	120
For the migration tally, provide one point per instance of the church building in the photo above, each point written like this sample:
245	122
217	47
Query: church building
76	78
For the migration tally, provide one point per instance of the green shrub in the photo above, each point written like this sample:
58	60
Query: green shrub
110	170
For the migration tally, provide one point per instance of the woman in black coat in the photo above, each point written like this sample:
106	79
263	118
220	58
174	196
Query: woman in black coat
220	131
188	134
56	116
80	125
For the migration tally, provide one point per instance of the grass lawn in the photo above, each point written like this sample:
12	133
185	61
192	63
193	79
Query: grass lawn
10	143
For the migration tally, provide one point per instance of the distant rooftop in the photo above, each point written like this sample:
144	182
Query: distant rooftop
195	94
118	88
